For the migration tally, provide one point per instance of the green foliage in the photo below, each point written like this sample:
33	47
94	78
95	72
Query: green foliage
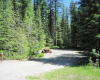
1	51
90	62
98	36
3	25
18	57
26	28
55	47
17	30
39	36
65	30
95	53
88	25
49	42
96	64
74	18
38	55
22	42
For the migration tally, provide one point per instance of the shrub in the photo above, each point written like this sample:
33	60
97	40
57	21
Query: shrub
55	47
40	55
95	54
34	56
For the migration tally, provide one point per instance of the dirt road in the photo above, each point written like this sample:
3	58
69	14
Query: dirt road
18	70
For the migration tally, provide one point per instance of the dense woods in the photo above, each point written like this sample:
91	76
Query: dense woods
27	26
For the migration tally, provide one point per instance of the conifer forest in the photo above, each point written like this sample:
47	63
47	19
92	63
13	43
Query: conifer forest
27	26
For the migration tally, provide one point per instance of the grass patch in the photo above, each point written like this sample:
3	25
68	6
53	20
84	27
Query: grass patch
72	73
31	78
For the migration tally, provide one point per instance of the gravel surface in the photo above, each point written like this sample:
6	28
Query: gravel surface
18	70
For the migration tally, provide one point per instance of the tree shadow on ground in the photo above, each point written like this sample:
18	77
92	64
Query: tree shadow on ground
64	60
67	49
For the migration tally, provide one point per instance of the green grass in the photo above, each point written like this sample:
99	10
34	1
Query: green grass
31	77
71	73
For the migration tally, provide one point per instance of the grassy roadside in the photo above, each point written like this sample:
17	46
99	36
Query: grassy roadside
70	73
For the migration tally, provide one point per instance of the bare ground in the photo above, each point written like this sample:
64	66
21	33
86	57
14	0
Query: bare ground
59	58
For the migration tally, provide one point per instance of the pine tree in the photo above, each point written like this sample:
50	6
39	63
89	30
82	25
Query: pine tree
3	29
65	28
54	6
7	23
38	36
63	25
59	33
73	14
89	14
40	29
28	20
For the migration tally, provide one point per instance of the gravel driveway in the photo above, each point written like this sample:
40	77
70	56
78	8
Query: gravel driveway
18	70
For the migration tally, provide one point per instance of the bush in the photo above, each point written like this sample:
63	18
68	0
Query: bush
95	54
18	57
37	56
40	55
55	47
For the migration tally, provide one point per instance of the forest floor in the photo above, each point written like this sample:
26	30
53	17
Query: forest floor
59	58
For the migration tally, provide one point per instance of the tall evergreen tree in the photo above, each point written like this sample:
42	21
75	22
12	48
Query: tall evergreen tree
65	27
67	30
89	15
6	26
38	36
40	29
3	29
73	14
54	6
